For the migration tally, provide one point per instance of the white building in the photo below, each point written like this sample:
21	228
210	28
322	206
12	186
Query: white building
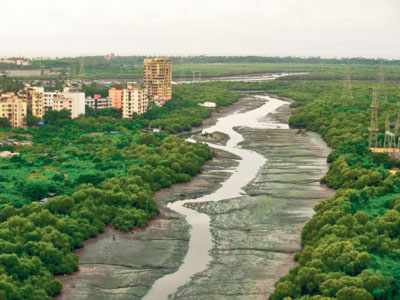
69	99
98	103
134	100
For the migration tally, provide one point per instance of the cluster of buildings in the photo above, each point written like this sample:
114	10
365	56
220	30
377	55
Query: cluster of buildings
18	62
15	107
157	87
38	101
132	99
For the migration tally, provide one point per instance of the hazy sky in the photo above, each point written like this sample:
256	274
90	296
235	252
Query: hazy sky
328	28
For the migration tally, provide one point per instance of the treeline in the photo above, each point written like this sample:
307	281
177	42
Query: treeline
357	72
8	84
132	66
89	61
93	89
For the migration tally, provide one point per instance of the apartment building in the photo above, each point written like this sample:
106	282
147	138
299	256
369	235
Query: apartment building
13	108
158	77
134	100
115	93
69	99
98	103
33	95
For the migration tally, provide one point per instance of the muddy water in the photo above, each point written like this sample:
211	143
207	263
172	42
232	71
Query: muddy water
200	243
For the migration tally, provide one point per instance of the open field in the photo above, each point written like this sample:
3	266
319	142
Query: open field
131	67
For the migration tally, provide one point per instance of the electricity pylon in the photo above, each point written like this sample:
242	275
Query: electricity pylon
182	72
391	131
81	66
347	94
381	84
196	76
373	130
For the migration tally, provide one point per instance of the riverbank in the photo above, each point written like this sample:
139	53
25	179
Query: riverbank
256	236
120	265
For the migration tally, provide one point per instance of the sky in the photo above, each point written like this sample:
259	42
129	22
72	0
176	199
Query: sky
326	28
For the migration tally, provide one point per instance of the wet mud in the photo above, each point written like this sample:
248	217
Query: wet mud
255	236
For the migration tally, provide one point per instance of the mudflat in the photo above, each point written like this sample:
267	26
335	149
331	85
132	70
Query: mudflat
255	236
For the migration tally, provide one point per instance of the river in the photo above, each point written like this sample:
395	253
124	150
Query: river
245	212
198	257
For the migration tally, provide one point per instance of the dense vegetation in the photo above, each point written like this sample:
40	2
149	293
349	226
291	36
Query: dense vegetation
89	172
351	246
8	84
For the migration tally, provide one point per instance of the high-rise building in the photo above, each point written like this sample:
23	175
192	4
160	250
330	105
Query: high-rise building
158	77
134	100
115	93
13	108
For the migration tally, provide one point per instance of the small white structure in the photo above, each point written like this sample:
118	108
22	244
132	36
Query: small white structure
7	154
208	104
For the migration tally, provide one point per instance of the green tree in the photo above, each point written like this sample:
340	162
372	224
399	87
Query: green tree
5	123
31	120
54	116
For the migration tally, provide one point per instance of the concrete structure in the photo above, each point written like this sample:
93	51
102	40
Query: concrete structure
34	98
98	102
22	73
110	56
8	154
115	93
158	77
13	108
69	99
19	62
134	100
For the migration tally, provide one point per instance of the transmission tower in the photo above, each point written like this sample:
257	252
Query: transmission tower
196	76
347	94
182	72
381	84
373	130
391	131
81	66
321	66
